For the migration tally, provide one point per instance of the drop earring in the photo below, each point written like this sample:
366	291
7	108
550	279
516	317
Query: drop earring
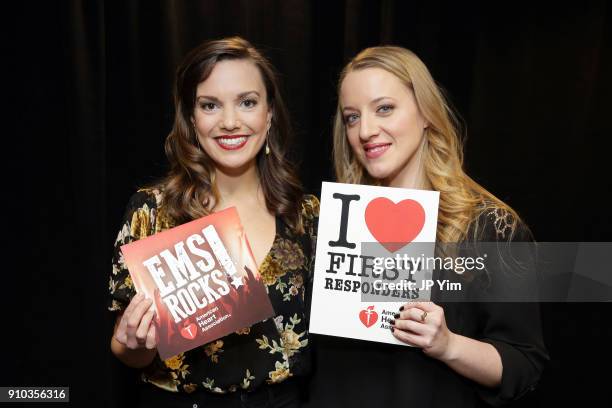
267	145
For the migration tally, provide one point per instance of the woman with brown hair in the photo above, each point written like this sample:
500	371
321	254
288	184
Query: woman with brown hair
226	149
394	128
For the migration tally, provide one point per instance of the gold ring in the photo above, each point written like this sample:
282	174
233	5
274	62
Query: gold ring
423	316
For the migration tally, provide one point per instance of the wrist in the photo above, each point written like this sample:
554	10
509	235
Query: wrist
452	348
134	358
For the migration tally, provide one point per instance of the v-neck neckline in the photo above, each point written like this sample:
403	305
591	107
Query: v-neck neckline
277	227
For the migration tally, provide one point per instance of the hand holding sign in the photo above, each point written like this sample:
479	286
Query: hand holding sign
422	324
135	329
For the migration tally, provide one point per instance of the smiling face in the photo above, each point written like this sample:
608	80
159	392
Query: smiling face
231	114
384	126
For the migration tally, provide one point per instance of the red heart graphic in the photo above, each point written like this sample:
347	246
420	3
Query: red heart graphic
394	225
189	332
368	316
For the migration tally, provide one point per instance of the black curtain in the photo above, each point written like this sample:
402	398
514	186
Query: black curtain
89	98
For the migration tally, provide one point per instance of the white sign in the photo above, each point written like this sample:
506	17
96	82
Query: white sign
365	259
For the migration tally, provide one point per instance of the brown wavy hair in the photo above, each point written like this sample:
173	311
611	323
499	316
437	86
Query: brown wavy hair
189	187
462	200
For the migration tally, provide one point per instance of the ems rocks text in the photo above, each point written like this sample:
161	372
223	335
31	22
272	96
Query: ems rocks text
186	286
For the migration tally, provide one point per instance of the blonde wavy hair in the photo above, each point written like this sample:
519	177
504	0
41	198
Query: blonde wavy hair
462	200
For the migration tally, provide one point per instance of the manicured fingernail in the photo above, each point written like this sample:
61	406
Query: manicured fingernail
396	315
401	308
392	322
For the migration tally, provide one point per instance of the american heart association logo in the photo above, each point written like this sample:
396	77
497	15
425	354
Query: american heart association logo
394	225
368	316
189	332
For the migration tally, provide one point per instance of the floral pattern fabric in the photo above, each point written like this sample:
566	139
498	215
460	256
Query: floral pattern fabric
267	352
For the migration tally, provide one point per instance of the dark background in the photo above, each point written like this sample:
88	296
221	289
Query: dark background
89	105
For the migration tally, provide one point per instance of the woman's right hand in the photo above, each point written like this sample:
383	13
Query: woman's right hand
135	329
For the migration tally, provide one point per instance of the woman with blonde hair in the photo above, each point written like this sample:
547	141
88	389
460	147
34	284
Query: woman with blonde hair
394	128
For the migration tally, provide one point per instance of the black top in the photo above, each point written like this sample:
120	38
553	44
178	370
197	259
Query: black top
360	373
267	352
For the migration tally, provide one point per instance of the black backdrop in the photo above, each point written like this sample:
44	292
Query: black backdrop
89	107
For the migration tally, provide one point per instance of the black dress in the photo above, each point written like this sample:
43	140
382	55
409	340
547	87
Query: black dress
352	373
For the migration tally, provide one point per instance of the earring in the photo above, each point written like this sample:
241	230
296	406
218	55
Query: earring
267	146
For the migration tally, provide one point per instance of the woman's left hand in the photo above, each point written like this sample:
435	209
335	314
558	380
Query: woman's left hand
422	324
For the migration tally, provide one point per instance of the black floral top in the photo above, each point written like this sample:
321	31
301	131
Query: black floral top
267	352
